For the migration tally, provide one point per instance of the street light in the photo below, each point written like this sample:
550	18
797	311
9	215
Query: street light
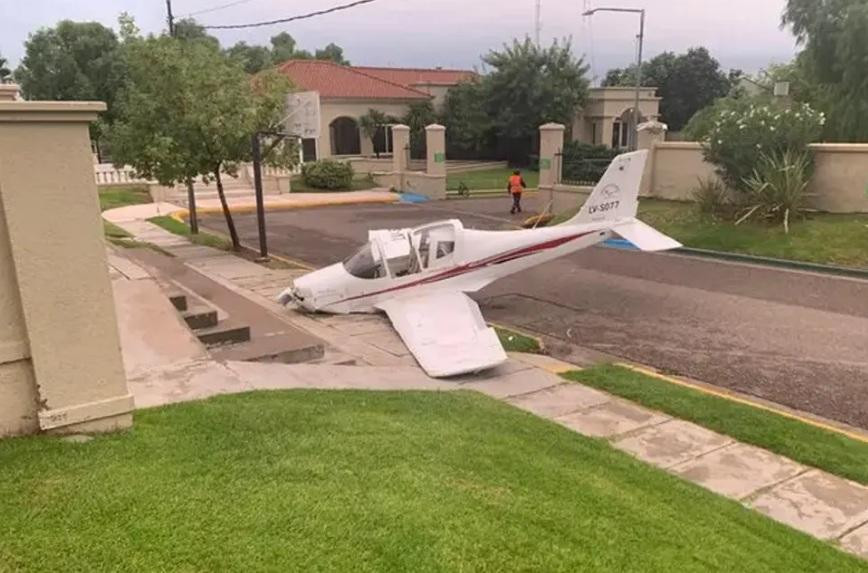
634	143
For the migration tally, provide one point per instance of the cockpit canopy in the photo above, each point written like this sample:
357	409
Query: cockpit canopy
403	252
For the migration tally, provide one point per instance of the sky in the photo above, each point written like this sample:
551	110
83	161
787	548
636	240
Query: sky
742	34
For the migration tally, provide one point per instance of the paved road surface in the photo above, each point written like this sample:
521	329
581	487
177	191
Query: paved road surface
796	338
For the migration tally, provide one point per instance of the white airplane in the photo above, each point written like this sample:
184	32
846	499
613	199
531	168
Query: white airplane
420	277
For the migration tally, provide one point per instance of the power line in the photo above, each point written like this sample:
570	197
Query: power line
215	8
292	18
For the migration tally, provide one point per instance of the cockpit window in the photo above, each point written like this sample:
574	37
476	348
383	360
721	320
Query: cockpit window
445	248
362	264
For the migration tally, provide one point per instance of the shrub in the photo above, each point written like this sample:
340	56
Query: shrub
585	162
776	189
327	174
738	139
712	198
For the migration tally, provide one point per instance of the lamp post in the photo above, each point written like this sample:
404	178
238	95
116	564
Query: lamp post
634	139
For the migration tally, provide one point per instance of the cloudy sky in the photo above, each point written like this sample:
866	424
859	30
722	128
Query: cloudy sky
451	33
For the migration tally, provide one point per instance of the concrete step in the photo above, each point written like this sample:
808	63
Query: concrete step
200	316
226	332
178	298
274	348
335	358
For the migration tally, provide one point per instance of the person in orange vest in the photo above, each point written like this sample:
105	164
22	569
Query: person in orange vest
515	186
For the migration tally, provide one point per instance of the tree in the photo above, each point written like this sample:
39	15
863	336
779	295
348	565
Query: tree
834	59
529	86
419	115
5	72
371	123
253	59
686	83
188	30
332	52
189	111
469	128
73	61
282	48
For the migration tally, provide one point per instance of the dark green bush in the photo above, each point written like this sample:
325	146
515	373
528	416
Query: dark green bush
327	174
585	163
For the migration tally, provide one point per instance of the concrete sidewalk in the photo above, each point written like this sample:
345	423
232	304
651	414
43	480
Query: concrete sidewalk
810	500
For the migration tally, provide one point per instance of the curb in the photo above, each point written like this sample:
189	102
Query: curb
773	262
246	209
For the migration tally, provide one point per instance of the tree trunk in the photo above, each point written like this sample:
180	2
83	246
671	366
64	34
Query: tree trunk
191	207
236	244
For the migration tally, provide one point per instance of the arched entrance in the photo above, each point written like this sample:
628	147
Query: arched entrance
623	129
345	138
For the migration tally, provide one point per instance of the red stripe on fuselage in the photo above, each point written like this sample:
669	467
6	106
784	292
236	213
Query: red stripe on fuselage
463	269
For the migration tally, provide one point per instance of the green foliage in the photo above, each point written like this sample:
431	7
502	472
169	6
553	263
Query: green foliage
516	342
188	30
179	228
371	125
419	115
738	139
73	61
834	59
776	189
332	52
5	72
687	83
530	86
583	162
111	197
327	174
253	59
712	198
469	127
794	439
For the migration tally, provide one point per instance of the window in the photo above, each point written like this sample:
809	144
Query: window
362	264
445	248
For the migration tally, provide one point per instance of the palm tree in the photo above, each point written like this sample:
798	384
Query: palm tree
370	124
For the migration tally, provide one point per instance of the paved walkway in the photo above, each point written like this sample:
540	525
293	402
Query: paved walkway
813	501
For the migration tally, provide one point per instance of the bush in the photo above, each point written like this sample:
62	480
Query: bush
584	162
776	189
327	174
738	139
712	198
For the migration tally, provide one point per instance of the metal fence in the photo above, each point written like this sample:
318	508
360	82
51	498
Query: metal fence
582	171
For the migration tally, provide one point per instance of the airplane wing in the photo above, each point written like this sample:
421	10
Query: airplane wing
445	332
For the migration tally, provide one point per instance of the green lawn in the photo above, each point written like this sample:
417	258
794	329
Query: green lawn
516	342
490	179
355	481
121	196
802	442
202	238
821	238
359	184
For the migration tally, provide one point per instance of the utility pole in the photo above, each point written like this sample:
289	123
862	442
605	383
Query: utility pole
537	21
170	18
634	134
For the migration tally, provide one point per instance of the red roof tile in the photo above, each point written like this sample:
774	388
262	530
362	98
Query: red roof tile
333	80
417	76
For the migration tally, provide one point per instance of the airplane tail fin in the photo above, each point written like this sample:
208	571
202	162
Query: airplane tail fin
616	196
615	201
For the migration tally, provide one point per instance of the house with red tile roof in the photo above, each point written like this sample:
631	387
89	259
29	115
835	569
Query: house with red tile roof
346	93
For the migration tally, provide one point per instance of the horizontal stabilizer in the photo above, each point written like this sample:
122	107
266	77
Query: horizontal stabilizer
644	236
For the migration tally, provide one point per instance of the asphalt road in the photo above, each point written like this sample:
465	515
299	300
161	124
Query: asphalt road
795	338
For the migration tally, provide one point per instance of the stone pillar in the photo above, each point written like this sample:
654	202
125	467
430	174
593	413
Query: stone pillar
60	359
435	142
8	92
551	143
608	131
650	133
400	147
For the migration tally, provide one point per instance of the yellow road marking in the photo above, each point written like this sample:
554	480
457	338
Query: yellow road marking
731	398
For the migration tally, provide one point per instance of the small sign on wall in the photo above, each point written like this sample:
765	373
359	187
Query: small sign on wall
439	157
545	163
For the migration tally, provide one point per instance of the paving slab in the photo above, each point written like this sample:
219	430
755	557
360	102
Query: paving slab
141	212
611	418
817	503
126	267
856	542
152	333
559	400
671	443
738	470
261	376
543	361
185	382
387	340
521	382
